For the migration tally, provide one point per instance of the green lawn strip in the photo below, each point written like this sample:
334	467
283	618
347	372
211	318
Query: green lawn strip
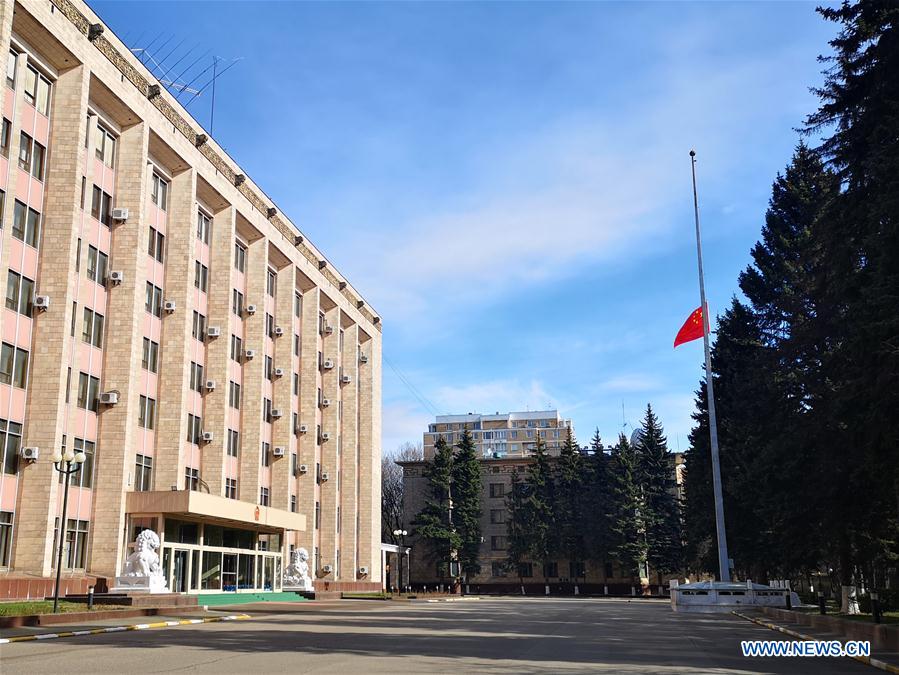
46	607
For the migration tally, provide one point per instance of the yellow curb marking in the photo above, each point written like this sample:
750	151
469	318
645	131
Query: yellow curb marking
867	660
118	629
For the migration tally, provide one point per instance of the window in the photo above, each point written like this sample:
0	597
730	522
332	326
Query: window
204	224
296	384
5	133
76	543
85	477
199	326
608	570
10	442
78	256
5	537
297	304
265	454
194	428
13	365
19	293
231	488
269	325
104	145
151	355
318	515
143	473
196	377
498	569
92	332
296	345
497	516
525	570
236	348
266	410
37	90
264	496
156	245
550	569
497	490
191	479
74	318
97	265
26	224
146	413
154	300
271	282
236	302
293	503
268	367
101	206
240	257
497	543
233	443
234	395
576	569
88	392
201	275
11	61
293	464
160	191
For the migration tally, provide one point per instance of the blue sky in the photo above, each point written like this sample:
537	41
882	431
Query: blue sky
508	184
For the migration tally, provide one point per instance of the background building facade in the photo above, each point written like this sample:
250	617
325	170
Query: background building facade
500	435
164	318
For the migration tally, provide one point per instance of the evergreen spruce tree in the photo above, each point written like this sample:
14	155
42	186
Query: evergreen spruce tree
466	484
598	502
661	510
539	507
569	503
432	524
628	525
517	527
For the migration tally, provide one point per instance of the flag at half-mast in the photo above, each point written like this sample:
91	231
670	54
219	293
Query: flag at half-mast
692	328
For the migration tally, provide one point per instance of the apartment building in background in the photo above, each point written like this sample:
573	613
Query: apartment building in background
165	318
506	443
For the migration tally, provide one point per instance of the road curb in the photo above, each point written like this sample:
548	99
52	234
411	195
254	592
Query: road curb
467	598
119	629
867	660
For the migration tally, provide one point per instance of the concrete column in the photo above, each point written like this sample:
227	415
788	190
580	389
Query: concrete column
328	489
349	439
51	345
282	429
178	346
370	457
310	340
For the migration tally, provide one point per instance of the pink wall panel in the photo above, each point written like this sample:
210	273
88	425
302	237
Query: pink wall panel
27	119
146	442
23	181
233	417
7	493
8	100
12	403
90	359
85	421
26	326
80	500
36	199
4	169
9	325
41	128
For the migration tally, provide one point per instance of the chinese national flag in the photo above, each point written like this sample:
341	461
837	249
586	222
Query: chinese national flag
692	328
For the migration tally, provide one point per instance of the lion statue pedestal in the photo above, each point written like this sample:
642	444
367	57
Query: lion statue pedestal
142	573
296	576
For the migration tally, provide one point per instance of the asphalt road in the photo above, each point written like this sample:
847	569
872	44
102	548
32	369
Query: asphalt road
502	635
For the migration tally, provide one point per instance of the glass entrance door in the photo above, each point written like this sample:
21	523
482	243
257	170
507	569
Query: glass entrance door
180	574
229	572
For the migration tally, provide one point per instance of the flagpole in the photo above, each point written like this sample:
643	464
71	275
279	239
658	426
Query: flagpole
723	560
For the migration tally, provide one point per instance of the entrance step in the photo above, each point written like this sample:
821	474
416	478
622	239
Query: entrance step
216	599
137	599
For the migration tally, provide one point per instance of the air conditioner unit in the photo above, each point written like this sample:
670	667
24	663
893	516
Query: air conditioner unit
328	364
345	379
326	436
278	451
109	397
207	436
279	372
363	358
303	468
279	331
249	354
326	402
276	413
327	569
210	385
116	277
213	332
42	302
303	428
325	476
251	309
170	306
120	213
329	330
363	571
29	454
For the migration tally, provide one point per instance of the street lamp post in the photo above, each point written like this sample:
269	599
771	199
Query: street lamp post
66	464
401	534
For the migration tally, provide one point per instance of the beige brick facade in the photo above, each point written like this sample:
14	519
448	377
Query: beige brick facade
171	430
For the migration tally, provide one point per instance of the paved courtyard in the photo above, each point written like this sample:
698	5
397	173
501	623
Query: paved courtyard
500	635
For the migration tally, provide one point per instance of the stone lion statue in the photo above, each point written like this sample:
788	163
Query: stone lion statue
296	575
144	562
